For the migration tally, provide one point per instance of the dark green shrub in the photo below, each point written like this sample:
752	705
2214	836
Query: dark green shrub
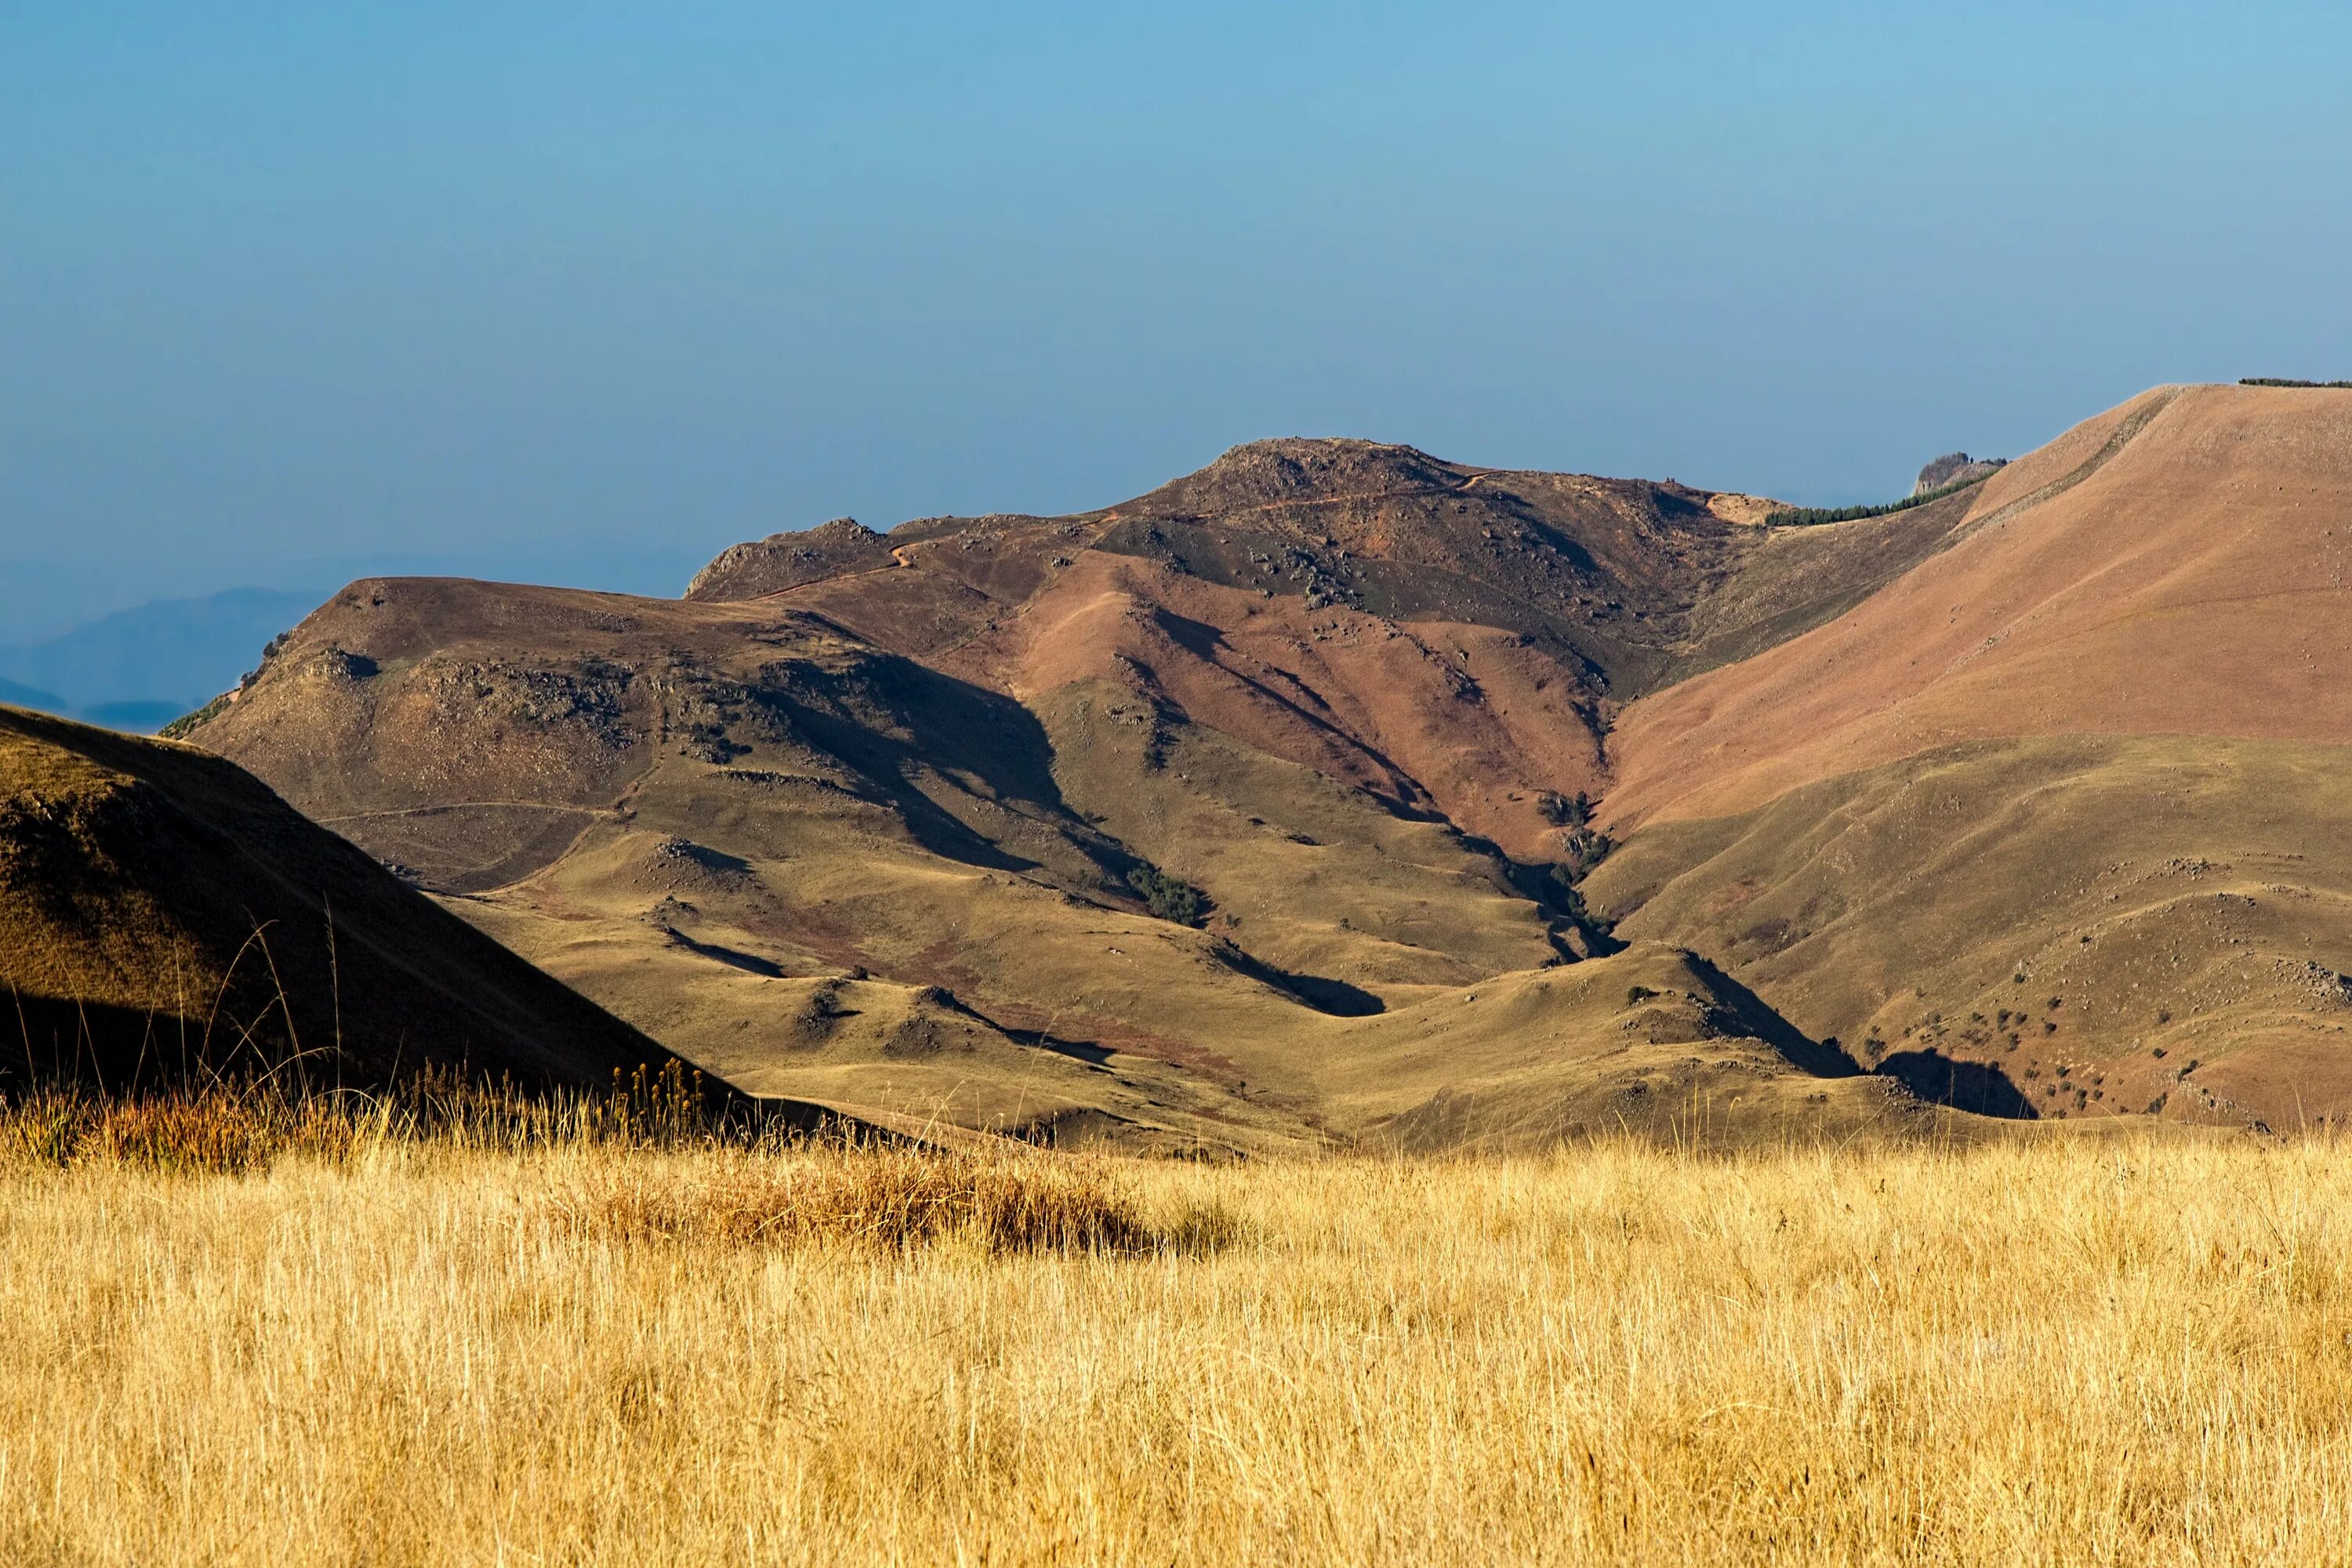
1167	897
1796	517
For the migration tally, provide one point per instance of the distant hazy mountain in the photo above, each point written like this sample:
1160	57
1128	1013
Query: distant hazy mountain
138	670
30	697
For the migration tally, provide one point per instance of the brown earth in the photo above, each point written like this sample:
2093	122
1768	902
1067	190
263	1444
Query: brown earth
2099	743
164	915
883	819
2188	580
869	819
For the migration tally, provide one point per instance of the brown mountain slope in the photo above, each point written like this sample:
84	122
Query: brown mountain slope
2174	566
883	819
875	817
1452	638
163	913
1622	580
2050	927
829	871
2092	756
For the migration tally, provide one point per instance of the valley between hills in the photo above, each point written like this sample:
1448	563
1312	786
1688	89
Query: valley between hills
1338	795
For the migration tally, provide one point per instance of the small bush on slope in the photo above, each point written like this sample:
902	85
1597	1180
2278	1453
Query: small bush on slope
1167	897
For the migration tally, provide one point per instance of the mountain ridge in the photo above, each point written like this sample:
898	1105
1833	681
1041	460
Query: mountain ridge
1376	716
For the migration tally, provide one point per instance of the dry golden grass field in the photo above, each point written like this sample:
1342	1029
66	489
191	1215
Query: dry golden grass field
323	1344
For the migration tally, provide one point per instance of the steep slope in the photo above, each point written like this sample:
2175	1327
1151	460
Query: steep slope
2173	566
2054	823
163	913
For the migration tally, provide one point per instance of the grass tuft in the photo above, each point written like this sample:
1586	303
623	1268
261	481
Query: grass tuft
895	1200
230	1127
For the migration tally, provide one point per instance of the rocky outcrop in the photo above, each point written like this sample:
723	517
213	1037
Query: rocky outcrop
784	560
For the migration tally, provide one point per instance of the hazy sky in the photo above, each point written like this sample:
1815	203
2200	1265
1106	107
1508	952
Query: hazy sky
584	291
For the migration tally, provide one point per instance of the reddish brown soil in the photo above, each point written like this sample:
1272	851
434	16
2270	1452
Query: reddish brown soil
2194	584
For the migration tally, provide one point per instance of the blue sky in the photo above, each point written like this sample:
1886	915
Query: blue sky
585	291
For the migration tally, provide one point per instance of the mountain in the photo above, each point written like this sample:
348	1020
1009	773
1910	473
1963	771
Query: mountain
2066	805
1449	639
893	821
166	915
141	669
1337	793
30	697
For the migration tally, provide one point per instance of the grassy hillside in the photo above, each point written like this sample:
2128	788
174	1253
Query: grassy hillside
920	887
2062	927
164	915
2049	825
591	1352
1223	817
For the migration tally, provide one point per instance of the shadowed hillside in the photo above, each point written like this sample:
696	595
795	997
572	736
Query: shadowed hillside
166	916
